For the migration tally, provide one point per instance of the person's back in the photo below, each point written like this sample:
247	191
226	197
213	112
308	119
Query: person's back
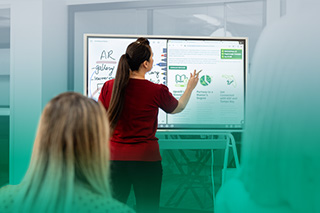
69	168
138	121
280	168
83	201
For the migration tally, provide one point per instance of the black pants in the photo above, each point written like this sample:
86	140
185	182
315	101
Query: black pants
145	177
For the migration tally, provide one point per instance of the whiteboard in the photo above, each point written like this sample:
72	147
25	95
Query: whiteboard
218	101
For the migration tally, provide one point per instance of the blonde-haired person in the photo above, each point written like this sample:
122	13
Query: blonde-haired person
69	168
280	168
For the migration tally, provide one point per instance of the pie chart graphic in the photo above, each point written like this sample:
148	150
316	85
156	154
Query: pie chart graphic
205	80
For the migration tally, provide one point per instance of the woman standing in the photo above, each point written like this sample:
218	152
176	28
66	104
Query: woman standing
132	103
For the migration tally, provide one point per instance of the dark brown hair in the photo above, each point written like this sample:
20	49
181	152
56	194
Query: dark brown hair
136	53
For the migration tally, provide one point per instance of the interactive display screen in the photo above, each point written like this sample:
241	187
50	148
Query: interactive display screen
217	102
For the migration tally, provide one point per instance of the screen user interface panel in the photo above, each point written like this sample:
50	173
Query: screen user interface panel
219	97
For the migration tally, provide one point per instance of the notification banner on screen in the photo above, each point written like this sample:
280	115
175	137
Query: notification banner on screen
217	102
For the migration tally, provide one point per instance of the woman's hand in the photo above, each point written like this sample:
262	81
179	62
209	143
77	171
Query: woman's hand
192	83
193	80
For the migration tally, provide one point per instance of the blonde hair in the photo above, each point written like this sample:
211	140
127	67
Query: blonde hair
71	147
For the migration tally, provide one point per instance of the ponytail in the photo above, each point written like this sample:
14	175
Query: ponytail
118	91
136	53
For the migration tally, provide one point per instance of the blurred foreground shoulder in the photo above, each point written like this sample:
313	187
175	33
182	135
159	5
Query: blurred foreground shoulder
233	197
7	194
87	201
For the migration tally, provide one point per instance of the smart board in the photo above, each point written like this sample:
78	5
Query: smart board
217	102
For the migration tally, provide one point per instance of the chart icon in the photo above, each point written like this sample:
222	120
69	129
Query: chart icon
205	80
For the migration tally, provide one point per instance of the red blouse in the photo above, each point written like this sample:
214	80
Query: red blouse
134	136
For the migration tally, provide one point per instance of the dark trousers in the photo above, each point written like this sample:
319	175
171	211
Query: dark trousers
144	176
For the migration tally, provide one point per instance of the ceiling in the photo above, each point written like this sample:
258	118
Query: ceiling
213	17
